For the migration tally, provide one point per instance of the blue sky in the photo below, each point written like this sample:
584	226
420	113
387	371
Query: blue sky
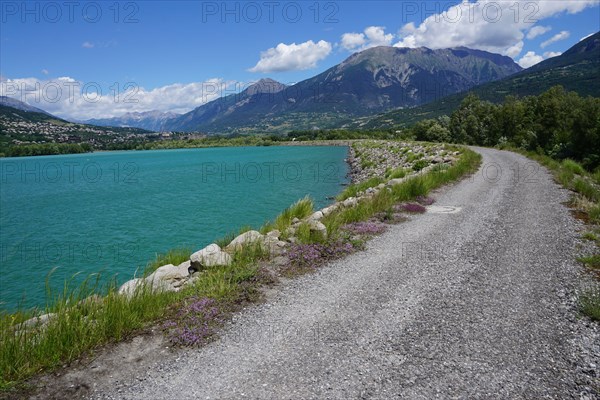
176	55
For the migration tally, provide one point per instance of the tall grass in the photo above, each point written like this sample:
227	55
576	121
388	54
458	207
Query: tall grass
77	326
410	189
82	321
301	209
573	167
586	186
354	189
573	176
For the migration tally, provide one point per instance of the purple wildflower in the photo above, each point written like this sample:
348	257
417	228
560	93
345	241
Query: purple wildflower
311	256
411	208
365	228
192	323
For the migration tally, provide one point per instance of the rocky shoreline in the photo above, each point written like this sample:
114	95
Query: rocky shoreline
366	159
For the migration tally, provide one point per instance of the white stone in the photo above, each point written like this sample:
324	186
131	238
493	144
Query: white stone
317	226
274	233
210	256
316	216
393	182
350	202
244	239
130	287
170	277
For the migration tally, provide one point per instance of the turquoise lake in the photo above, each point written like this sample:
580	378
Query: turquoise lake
111	212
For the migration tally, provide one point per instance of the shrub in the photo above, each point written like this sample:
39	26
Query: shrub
420	164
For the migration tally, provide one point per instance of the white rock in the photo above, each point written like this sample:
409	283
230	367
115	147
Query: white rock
130	287
274	233
316	216
170	277
244	239
396	181
38	322
274	246
350	202
210	256
317	226
328	210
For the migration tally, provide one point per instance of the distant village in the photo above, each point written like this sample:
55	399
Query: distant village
38	132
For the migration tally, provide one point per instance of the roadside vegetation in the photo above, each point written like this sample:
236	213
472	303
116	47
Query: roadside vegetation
559	129
78	320
585	205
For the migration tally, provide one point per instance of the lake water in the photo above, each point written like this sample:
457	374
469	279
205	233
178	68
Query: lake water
113	211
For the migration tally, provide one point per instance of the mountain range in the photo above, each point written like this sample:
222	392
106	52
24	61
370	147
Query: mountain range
369	82
577	69
379	88
149	120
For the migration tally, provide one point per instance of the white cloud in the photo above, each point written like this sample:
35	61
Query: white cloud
291	57
351	41
373	36
550	54
585	37
530	59
537	31
559	36
87	45
72	99
45	71
486	25
515	50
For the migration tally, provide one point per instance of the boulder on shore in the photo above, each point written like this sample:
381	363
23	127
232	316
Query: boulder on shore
170	277
210	256
246	238
130	287
318	226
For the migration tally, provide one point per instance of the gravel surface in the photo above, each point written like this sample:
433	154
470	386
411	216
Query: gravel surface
474	303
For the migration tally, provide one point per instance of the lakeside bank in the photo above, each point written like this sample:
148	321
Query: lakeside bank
225	287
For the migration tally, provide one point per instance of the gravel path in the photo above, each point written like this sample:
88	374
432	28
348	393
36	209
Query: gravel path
475	303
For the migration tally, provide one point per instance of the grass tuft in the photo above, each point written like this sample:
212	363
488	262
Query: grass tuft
592	262
589	303
353	190
573	167
301	209
175	257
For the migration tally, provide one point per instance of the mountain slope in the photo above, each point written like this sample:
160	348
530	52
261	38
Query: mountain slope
150	120
247	105
375	80
19	105
578	69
